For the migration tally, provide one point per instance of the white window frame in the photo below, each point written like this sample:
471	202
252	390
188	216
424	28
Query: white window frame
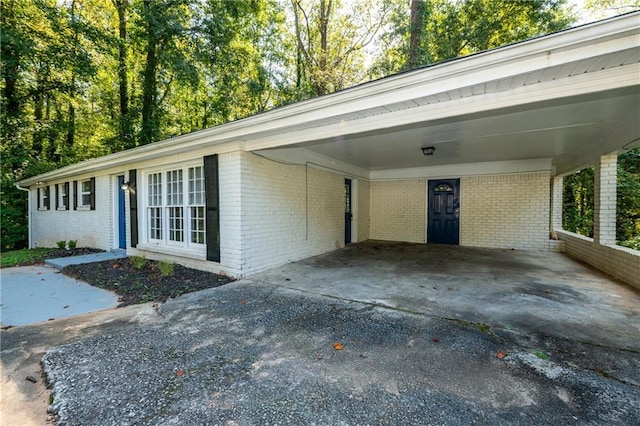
62	194
182	193
81	193
45	198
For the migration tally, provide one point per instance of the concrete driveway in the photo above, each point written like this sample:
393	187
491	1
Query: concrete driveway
377	333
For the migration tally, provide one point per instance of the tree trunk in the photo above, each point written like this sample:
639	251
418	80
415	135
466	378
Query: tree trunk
416	25
71	116
149	87
126	133
321	73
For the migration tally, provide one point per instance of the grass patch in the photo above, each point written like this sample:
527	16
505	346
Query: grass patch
24	257
541	355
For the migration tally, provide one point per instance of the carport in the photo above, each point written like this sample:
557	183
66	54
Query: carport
540	294
498	131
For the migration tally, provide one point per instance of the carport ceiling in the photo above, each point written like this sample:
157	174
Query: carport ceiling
571	131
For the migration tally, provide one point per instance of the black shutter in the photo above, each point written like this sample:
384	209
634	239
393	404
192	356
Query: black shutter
75	195
133	207
57	196
93	193
211	188
66	191
39	198
47	193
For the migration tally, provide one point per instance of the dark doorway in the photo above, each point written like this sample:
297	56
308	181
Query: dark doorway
348	215
122	224
443	225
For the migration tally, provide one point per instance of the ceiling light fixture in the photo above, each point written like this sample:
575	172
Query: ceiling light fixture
428	150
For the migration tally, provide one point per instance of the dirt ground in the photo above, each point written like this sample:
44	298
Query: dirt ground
146	283
24	398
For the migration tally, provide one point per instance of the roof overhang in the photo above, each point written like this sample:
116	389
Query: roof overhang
568	97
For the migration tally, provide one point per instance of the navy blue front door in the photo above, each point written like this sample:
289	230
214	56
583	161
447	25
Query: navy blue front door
348	213
122	225
443	225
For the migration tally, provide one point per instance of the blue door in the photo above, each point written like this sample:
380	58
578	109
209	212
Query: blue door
122	224
348	214
443	226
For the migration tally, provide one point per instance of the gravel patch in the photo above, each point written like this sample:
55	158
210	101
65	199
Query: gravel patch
245	354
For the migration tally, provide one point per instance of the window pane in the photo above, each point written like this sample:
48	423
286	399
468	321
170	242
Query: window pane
176	224
86	186
155	223
174	187
86	199
155	189
196	186
197	225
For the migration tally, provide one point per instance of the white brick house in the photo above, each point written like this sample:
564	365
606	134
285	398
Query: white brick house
503	127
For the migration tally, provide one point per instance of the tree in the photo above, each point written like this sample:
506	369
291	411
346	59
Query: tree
331	42
437	30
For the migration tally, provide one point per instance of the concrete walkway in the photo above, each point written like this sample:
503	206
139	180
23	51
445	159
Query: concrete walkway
61	262
31	294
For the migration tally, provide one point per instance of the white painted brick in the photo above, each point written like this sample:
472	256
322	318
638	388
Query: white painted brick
505	211
620	262
397	210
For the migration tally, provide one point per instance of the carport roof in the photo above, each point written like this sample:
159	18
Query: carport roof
567	97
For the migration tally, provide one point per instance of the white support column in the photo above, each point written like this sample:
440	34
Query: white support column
557	189
604	221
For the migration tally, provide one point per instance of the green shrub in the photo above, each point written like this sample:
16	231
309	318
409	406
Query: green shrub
73	244
61	244
165	268
138	262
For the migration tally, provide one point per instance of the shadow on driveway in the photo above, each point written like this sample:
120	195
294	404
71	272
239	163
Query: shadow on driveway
256	352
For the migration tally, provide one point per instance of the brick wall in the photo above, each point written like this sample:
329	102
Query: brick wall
288	212
505	211
397	210
620	262
362	206
91	228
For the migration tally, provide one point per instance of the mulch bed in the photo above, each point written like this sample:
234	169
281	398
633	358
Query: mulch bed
145	284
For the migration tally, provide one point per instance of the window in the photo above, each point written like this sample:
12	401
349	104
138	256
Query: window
84	194
196	204
176	207
43	198
155	206
443	187
62	196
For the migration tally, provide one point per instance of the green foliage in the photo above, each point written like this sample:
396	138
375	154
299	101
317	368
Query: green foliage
61	244
24	257
541	355
138	262
165	268
73	244
450	29
578	202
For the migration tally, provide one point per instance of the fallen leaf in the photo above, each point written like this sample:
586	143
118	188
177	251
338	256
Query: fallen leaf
242	302
180	373
501	354
120	299
338	346
435	340
115	266
65	306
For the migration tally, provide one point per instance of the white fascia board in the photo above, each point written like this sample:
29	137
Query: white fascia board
614	78
462	170
124	158
573	44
